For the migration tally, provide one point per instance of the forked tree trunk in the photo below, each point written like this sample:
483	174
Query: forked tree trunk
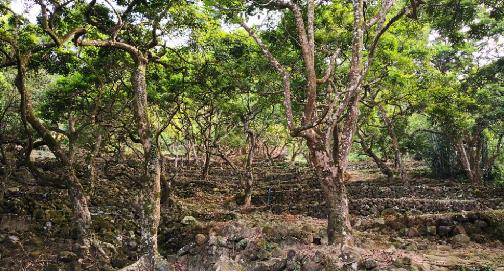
395	142
468	164
339	229
80	207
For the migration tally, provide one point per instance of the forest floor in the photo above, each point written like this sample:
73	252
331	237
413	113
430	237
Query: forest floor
426	224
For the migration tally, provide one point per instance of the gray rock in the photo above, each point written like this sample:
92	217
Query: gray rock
242	244
13	239
189	220
369	264
444	230
132	245
481	224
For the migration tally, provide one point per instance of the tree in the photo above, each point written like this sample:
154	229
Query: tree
330	112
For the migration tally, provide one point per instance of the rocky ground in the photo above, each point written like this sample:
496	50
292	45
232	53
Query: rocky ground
424	225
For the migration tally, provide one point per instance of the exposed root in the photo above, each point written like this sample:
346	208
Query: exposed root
146	262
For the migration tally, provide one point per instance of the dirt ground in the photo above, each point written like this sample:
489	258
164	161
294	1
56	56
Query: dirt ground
423	225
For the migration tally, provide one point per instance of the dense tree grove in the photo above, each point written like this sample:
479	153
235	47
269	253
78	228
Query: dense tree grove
236	83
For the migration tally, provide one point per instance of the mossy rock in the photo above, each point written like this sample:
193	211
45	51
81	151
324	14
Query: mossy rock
495	221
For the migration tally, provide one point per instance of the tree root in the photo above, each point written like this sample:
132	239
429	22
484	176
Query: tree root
150	263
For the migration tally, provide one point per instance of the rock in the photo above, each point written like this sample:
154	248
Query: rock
12	190
308	228
369	264
412	232
481	224
312	266
200	239
412	247
459	230
119	262
460	240
317	241
431	230
189	220
242	244
67	256
13	239
479	238
444	230
185	249
132	245
36	253
402	262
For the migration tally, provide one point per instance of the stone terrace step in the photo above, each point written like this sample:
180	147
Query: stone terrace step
375	206
297	191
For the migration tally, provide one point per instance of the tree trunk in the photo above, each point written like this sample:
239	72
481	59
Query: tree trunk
384	168
206	166
339	229
151	176
5	169
93	161
395	142
248	167
81	210
76	193
465	161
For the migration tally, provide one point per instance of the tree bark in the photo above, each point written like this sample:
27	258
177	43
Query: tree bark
76	192
339	229
384	168
249	175
465	161
93	160
151	175
395	142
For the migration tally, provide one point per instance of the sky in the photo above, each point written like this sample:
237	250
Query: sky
489	50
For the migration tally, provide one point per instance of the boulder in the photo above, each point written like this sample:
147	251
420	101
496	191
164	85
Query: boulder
444	230
412	232
200	239
67	257
189	220
431	230
460	240
369	264
481	224
459	229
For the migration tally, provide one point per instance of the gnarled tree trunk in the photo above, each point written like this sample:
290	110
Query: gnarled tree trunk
77	196
339	229
384	168
151	176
